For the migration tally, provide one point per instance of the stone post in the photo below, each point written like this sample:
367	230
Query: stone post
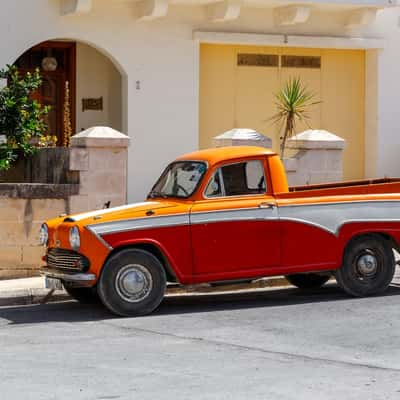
318	158
242	137
100	155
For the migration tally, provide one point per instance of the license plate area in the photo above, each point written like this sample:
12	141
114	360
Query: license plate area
52	283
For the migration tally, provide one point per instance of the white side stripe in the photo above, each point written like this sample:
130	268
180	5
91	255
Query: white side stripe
332	216
139	223
328	216
244	214
79	217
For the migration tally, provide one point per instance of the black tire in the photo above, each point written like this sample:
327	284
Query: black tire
368	266
307	281
132	283
85	295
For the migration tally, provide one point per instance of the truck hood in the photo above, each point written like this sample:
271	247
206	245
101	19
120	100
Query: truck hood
135	210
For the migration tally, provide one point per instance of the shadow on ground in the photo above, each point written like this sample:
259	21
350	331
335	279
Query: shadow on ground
71	311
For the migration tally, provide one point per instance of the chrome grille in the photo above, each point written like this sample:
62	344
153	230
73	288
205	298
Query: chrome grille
66	260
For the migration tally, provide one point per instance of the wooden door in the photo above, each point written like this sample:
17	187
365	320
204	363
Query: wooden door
51	94
52	91
257	79
237	86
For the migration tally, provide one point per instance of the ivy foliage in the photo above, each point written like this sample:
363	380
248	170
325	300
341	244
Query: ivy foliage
21	116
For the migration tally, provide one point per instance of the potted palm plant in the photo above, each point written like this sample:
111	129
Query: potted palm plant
293	103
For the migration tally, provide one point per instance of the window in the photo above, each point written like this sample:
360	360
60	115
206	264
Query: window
214	188
180	179
301	62
239	179
258	60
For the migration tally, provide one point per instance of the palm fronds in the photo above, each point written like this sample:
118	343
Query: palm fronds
293	103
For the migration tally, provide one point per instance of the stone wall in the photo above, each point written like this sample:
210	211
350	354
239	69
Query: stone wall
318	158
317	155
20	220
98	157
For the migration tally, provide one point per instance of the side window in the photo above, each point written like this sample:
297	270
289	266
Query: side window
214	188
237	179
255	176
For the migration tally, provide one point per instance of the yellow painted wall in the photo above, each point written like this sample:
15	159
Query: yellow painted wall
234	96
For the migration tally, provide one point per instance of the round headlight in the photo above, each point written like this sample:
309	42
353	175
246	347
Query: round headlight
74	238
44	235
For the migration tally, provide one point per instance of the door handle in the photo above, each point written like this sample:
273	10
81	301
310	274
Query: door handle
266	204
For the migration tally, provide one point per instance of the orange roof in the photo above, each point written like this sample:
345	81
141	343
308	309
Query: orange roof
218	154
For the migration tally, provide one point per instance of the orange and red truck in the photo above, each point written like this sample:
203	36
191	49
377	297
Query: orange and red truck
226	215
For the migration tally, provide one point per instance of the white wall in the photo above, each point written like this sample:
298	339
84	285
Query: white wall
388	99
96	76
162	116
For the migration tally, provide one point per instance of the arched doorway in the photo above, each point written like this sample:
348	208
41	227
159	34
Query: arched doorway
77	77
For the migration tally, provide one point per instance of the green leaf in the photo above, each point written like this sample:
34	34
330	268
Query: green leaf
293	103
21	117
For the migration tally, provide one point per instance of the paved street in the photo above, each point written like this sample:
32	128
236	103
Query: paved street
271	344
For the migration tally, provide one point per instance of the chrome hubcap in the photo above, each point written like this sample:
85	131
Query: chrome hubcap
133	283
367	265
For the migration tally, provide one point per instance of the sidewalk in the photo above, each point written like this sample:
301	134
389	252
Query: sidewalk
27	291
32	291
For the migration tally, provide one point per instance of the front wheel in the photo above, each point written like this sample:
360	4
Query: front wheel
132	283
307	281
368	266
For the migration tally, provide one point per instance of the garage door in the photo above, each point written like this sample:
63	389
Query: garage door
237	86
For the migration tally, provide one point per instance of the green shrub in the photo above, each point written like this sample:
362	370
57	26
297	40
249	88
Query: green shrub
21	117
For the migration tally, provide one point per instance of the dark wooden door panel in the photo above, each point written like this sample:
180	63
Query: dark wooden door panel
52	90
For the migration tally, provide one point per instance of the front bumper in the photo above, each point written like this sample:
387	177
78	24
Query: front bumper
76	279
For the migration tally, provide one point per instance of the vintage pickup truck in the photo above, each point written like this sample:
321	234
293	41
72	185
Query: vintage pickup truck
227	214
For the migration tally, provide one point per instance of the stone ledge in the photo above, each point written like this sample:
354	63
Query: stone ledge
38	190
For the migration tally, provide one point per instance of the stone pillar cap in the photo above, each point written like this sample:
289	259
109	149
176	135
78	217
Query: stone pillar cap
316	139
242	136
241	133
100	136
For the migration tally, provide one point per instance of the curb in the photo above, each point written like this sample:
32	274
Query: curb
21	297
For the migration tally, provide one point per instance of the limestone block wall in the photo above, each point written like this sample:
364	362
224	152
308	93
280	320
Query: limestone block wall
99	157
20	221
318	158
318	154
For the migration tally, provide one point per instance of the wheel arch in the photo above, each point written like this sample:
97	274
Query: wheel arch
388	238
153	249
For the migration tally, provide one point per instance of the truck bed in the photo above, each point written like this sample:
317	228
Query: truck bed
350	188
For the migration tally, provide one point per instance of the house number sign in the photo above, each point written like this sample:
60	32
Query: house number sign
92	104
3	139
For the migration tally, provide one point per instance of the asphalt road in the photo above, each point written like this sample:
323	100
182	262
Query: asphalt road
271	344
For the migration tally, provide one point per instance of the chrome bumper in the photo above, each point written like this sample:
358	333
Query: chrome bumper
78	279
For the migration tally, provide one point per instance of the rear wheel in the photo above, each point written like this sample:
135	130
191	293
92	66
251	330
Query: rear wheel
132	283
368	266
307	281
84	295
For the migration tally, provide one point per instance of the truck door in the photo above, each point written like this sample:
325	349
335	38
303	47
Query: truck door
235	229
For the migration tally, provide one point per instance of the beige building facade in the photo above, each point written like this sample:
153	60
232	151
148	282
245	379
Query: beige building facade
173	74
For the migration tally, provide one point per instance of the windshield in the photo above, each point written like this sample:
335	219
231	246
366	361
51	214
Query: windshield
180	179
